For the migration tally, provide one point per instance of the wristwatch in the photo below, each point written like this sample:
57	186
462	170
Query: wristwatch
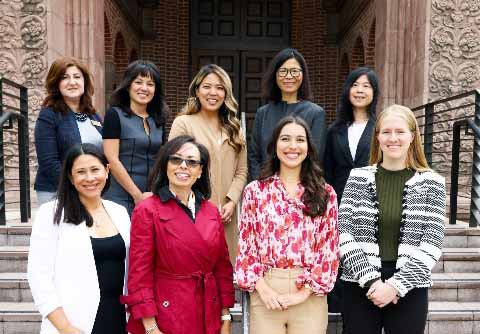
226	317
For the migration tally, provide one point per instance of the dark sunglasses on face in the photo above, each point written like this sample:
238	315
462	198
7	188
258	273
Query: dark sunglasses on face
177	161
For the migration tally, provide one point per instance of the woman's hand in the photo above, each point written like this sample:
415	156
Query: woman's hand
269	297
291	299
227	212
382	294
226	327
141	196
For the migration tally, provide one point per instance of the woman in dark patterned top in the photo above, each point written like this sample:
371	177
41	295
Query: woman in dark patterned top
133	132
391	223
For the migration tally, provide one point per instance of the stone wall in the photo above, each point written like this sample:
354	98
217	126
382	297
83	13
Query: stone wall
23	59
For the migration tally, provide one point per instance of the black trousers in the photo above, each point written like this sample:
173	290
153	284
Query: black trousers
361	316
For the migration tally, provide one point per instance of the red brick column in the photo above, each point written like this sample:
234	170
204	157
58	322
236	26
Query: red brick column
169	50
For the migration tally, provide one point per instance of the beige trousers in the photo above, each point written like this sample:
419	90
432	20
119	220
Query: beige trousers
311	316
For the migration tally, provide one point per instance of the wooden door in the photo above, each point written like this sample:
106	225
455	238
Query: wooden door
242	37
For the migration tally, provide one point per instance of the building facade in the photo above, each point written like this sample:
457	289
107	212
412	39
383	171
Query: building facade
421	49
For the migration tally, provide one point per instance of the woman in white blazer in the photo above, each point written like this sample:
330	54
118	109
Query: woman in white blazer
78	251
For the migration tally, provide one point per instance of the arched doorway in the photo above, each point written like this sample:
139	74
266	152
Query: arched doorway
241	36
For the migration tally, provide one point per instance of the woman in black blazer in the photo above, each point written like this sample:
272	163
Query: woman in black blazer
348	141
67	118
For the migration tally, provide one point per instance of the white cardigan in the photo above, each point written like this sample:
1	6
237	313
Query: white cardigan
61	266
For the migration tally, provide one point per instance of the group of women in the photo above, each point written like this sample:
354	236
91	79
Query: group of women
375	219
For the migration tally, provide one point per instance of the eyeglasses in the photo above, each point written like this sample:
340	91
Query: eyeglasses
283	72
177	161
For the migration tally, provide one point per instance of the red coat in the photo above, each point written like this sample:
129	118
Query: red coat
179	271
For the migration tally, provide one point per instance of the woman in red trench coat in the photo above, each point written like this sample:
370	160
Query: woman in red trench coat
180	279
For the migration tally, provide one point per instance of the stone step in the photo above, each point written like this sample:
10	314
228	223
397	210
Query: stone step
458	260
461	236
456	236
15	235
13	259
14	288
19	318
443	318
455	287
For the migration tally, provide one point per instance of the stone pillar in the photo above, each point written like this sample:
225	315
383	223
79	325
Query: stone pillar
454	60
23	59
76	28
401	58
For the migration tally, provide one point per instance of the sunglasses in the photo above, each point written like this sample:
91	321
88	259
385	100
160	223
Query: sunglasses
190	163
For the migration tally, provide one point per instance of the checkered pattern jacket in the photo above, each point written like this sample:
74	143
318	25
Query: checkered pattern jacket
421	232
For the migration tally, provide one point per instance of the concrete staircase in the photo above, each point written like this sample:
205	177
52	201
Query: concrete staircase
454	299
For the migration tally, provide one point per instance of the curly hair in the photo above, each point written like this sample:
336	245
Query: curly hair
54	98
315	196
228	111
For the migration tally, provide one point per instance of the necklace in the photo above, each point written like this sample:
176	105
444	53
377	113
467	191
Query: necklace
80	116
97	216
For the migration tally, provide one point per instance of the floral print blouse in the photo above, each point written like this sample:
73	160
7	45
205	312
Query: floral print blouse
275	232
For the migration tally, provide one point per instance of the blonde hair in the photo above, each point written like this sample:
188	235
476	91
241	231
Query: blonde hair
227	112
415	156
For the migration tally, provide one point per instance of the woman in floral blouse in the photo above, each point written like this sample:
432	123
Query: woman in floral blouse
288	249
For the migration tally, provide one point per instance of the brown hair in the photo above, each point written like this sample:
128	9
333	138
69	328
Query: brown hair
315	195
55	74
227	112
415	156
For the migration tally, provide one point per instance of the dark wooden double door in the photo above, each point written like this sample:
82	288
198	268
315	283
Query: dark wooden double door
241	36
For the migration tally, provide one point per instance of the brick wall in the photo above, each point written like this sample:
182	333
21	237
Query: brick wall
122	39
169	50
357	54
309	36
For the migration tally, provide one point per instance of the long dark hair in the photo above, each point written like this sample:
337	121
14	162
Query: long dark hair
55	74
158	178
228	111
157	108
270	90
68	201
311	174
345	108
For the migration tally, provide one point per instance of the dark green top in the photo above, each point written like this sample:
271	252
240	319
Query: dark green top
390	186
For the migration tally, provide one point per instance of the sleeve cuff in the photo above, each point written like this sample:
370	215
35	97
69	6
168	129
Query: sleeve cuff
362	281
46	308
141	304
401	289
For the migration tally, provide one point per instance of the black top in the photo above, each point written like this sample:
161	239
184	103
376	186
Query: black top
137	151
338	158
109	254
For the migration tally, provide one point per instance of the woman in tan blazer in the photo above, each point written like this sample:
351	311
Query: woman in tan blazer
210	117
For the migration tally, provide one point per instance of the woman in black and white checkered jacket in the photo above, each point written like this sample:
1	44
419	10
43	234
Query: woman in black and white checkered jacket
391	222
